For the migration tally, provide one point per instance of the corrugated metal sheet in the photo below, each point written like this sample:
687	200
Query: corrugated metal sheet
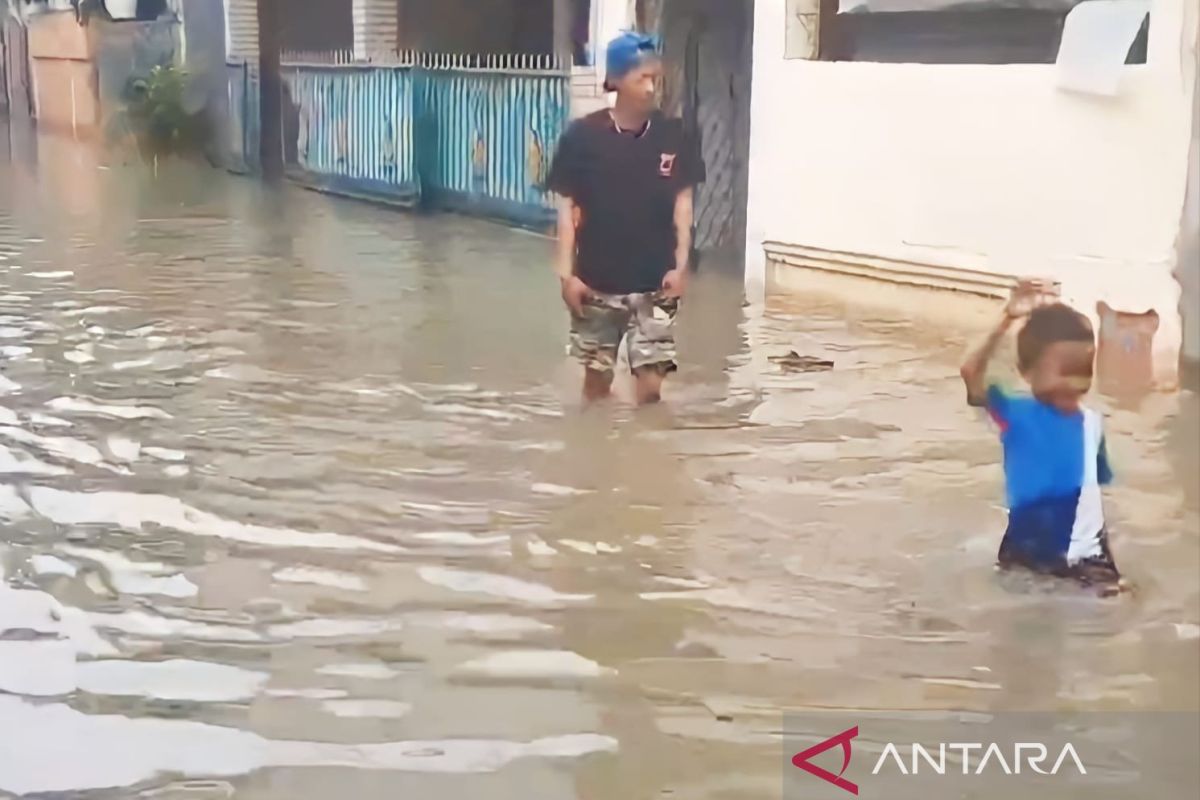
355	132
243	28
485	139
474	133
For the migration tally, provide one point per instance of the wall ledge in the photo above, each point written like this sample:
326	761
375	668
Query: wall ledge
891	270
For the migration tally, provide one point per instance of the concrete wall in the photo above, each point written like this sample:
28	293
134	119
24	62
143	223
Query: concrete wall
978	167
64	77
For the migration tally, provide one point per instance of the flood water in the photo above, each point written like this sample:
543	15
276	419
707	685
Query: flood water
297	502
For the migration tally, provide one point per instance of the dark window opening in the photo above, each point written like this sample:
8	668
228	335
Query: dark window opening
144	10
582	50
477	26
951	31
316	25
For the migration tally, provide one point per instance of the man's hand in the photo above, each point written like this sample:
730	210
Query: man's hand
674	283
574	293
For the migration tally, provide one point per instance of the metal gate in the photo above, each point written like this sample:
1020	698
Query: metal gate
473	133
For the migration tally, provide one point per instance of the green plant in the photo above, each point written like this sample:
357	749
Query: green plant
157	113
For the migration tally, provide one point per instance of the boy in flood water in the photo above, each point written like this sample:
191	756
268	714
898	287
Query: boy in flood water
1055	459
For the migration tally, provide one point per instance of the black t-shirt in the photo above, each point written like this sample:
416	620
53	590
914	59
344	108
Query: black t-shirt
625	186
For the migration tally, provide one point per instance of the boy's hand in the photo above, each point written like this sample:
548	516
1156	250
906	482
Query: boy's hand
1027	295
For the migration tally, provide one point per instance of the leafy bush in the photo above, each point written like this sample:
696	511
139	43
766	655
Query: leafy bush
157	113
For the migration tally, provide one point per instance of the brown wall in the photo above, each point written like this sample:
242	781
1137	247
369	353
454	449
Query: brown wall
64	77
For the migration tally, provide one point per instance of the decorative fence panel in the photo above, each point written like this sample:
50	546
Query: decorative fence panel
354	129
486	135
468	133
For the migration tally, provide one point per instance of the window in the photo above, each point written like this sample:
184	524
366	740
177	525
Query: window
138	10
317	25
583	19
949	31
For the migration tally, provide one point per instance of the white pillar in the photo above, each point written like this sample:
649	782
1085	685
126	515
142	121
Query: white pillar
375	28
241	29
784	30
609	19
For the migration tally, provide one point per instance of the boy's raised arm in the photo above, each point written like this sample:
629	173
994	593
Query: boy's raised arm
1025	297
974	369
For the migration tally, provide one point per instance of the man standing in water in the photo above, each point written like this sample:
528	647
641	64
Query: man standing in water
625	177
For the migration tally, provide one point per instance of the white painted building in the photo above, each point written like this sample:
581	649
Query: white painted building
965	175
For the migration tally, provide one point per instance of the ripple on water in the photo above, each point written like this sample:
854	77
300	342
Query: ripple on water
132	511
12	506
173	680
89	407
136	577
153	626
367	709
314	576
63	750
533	665
484	583
365	671
58	446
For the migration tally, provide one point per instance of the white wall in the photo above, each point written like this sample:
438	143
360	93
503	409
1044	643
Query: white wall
375	28
986	167
609	18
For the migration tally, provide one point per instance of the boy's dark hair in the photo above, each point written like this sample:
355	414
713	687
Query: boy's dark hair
1047	325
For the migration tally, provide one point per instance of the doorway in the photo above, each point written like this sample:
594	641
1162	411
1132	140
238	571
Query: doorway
708	54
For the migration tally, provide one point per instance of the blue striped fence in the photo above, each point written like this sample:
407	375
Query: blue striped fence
485	139
468	133
354	129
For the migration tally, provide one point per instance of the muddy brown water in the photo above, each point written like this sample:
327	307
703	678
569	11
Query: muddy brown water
296	502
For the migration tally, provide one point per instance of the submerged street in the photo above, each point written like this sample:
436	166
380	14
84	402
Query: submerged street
297	501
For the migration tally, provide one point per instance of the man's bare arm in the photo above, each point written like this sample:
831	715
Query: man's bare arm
565	263
684	213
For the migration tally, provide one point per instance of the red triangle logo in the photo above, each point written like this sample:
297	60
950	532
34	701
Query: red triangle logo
803	760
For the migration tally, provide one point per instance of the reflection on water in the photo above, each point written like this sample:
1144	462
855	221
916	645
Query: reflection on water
297	503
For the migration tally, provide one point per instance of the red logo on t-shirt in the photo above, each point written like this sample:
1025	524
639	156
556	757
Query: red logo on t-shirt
666	164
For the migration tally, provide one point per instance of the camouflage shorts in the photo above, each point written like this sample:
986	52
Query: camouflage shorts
645	321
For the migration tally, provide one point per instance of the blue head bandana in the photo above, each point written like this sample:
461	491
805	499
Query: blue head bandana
626	53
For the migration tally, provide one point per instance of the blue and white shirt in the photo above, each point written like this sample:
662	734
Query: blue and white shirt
1054	466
